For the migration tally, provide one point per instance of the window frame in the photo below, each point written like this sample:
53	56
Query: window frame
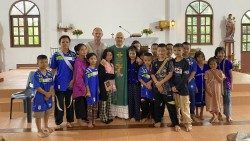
199	16
248	34
26	36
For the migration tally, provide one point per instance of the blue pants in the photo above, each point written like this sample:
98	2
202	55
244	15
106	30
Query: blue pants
191	90
227	102
134	101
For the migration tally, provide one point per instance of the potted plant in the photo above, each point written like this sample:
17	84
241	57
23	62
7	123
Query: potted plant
147	31
236	65
77	32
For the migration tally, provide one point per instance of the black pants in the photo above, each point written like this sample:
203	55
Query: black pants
80	108
134	101
162	99
61	98
147	107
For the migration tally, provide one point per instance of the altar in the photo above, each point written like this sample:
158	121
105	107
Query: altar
145	41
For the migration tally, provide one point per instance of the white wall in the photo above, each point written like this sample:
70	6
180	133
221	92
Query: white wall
134	15
221	9
13	56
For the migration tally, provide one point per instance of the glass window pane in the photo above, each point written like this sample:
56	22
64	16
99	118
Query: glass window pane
203	31
34	11
248	47
194	21
16	41
36	31
21	31
245	20
203	5
196	6
15	21
208	11
35	21
36	40
188	39
194	29
194	38
203	39
28	5
244	47
16	32
31	40
15	11
30	22
244	38
203	20
207	20
208	39
21	40
244	29
189	21
30	31
21	22
189	30
248	38
248	29
190	11
207	29
20	6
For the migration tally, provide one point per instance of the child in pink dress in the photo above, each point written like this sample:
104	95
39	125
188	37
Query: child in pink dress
214	79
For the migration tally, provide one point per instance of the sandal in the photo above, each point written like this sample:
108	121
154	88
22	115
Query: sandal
58	127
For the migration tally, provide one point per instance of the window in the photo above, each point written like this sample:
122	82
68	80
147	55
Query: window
199	23
245	32
25	29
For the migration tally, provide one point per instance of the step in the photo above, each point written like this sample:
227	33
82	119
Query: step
5	105
6	93
241	87
241	98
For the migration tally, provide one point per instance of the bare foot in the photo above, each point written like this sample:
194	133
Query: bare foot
157	125
132	120
188	128
144	120
42	134
90	125
177	128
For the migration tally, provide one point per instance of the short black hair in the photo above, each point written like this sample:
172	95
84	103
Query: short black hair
154	44
186	43
219	49
41	57
169	44
148	54
162	45
212	59
105	52
199	53
135	42
62	37
133	48
90	55
178	45
78	47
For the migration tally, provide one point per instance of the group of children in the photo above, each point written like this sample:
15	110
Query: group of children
182	84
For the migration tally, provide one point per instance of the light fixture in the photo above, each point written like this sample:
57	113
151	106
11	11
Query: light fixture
165	24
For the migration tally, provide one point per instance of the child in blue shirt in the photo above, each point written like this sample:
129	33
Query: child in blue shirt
92	85
144	77
192	89
42	103
62	63
133	85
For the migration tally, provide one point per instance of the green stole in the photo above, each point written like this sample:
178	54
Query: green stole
120	97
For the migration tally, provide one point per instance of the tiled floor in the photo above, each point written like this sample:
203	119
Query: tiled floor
122	130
